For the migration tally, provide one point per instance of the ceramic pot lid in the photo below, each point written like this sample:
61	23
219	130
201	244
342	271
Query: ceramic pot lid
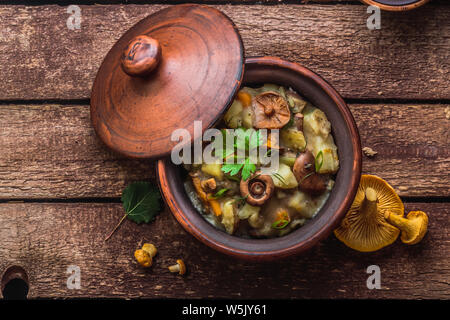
178	65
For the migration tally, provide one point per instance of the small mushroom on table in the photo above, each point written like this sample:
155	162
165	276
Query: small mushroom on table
144	256
308	179
179	267
413	227
270	111
365	228
257	189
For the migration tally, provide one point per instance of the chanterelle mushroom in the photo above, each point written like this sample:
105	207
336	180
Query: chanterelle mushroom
413	227
257	189
305	172
364	228
270	111
180	267
144	256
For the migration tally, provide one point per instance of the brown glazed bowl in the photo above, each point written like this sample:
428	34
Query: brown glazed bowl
259	70
396	5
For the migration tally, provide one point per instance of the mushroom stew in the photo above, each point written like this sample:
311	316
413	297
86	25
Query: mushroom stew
244	199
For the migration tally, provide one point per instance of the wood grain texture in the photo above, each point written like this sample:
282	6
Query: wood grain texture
408	58
46	238
51	151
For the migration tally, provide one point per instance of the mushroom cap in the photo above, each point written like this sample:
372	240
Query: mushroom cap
364	228
420	225
304	170
257	189
182	266
270	111
150	249
413	228
143	258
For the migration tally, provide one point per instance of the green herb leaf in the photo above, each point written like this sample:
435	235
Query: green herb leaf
280	224
290	122
241	200
245	139
232	168
318	163
279	177
308	175
255	139
141	201
248	169
219	193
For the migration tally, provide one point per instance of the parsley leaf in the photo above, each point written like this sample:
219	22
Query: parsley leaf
219	193
232	168
141	201
248	169
246	140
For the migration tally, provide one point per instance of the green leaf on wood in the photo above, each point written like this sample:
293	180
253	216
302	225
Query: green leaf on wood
141	201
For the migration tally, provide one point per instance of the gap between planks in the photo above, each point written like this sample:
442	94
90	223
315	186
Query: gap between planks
46	238
407	58
51	151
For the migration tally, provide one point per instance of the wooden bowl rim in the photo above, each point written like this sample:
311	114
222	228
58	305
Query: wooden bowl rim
388	7
319	234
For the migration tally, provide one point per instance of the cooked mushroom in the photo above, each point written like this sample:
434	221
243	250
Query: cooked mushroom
209	185
180	267
364	228
257	189
308	179
270	111
413	227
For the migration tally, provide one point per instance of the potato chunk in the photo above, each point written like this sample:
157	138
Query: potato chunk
317	123
233	117
284	178
229	217
293	139
318	137
213	169
247	210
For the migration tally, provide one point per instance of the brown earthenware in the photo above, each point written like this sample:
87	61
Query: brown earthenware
178	65
261	70
396	5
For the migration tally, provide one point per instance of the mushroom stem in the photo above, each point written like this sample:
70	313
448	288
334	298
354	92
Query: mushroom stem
180	267
398	221
369	204
174	268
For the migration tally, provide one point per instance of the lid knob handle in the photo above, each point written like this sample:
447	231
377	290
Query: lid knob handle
141	56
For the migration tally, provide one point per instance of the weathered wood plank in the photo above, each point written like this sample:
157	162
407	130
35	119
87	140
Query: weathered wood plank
51	151
46	238
408	58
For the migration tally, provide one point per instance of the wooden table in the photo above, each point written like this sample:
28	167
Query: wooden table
60	187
